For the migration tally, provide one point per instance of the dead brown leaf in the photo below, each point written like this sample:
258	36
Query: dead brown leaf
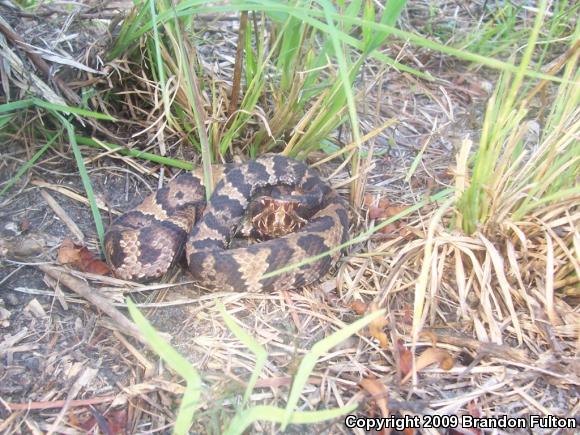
369	198
376	327
376	212
359	307
430	356
394	210
390	229
384	202
378	393
474	411
113	422
430	335
405	359
24	225
81	258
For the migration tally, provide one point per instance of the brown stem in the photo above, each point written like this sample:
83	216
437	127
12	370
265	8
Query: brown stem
57	403
40	63
92	295
238	66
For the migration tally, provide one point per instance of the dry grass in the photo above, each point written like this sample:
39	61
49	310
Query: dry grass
502	303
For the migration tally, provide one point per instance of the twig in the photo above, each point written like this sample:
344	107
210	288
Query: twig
92	295
492	349
40	63
47	404
85	378
63	215
238	65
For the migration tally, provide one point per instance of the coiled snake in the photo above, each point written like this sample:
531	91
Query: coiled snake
145	242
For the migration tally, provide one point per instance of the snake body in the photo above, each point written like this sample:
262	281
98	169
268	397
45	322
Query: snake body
145	242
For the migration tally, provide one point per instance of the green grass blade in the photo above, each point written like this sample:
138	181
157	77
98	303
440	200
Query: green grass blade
346	81
26	166
390	16
256	348
181	164
68	109
526	58
159	62
312	357
193	92
241	422
192	7
16	105
195	6
85	178
5	119
191	398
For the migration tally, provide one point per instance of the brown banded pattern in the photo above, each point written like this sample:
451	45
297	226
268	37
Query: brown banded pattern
143	243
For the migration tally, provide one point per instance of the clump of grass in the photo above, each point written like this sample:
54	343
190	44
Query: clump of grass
292	83
513	244
510	179
246	416
504	28
59	115
293	71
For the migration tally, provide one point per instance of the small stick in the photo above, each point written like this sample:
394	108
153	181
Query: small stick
56	403
63	215
40	63
92	295
238	65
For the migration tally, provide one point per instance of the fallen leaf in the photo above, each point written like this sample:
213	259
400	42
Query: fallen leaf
430	356
377	325
378	393
394	210
408	314
24	225
81	258
368	200
376	212
390	229
67	252
97	267
113	422
405	358
474	411
359	307
416	183
408	232
384	202
430	335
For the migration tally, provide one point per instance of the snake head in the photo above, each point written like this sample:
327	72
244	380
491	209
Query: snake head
277	218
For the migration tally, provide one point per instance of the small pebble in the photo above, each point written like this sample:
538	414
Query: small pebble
11	299
32	363
4	313
4	316
11	229
36	309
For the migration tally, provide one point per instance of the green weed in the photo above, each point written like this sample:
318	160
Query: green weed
246	416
